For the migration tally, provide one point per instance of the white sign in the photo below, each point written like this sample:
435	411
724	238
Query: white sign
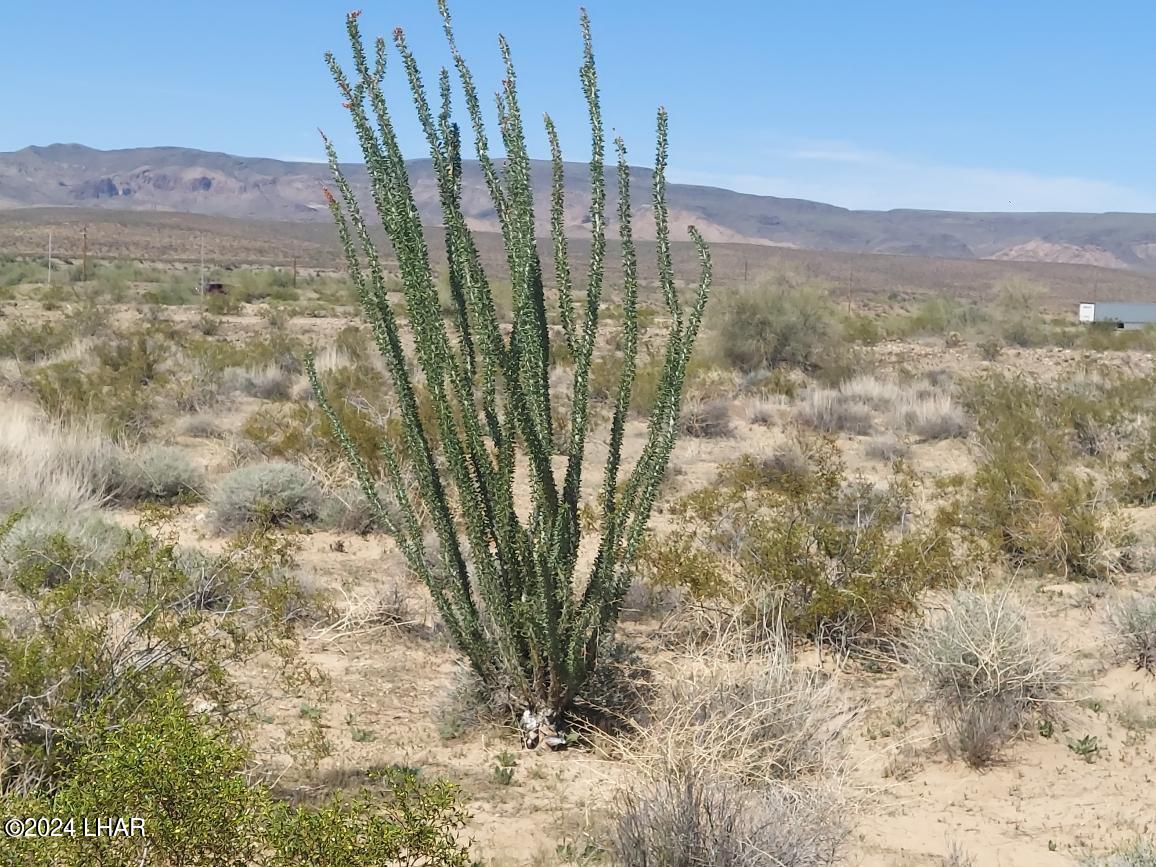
1087	312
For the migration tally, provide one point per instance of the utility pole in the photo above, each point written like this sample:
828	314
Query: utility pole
49	257
744	269
850	289
201	285
294	272
84	256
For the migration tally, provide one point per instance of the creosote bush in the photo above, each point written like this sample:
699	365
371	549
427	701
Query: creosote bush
837	560
771	326
186	779
80	632
1030	500
504	583
275	493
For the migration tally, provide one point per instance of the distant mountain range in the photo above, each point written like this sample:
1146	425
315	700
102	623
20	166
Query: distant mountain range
200	182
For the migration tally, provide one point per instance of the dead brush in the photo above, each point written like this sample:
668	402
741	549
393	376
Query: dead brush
987	673
1132	623
724	765
745	711
696	819
368	612
707	419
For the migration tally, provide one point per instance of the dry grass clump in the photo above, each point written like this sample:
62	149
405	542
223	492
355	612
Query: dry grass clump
199	427
270	493
748	713
695	819
765	409
879	394
271	382
987	673
930	417
707	419
831	411
887	447
720	761
46	464
1133	625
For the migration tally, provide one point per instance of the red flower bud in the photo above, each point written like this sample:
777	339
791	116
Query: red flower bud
355	14
328	196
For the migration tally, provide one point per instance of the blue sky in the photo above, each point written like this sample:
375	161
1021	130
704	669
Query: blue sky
983	105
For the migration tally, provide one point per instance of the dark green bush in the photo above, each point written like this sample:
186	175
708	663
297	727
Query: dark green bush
763	328
187	781
144	617
1028	500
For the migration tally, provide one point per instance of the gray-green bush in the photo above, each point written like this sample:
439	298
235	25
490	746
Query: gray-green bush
270	493
156	473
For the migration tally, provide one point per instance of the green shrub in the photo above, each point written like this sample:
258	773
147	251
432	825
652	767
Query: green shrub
114	630
766	328
1140	853
120	386
187	781
275	493
1028	500
1137	483
367	414
815	549
31	343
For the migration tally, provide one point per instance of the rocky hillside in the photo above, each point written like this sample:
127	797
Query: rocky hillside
199	182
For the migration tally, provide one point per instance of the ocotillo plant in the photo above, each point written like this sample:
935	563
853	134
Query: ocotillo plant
504	579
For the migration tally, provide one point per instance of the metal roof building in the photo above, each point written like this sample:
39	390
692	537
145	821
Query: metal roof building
1128	315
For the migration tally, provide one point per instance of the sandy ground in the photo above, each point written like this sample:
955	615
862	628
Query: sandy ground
1043	805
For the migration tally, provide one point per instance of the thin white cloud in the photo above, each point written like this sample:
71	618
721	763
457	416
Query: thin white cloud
841	174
